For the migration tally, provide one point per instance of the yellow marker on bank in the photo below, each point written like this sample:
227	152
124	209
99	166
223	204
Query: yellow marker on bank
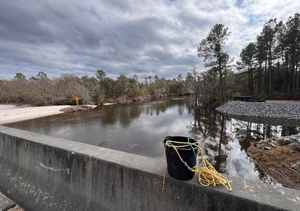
77	98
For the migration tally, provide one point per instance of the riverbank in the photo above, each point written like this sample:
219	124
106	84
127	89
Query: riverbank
15	113
278	159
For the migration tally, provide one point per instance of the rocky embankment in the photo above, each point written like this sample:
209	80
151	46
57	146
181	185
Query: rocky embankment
275	113
287	110
277	158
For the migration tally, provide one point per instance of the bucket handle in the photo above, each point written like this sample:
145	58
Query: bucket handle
192	146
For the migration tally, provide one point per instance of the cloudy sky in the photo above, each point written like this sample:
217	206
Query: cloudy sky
143	37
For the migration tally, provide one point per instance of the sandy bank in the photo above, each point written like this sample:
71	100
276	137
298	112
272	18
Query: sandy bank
13	113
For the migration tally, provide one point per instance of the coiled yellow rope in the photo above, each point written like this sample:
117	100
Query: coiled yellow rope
207	174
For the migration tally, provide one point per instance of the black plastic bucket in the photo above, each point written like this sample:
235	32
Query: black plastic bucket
175	166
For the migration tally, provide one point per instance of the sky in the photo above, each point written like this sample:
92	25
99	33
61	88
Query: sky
142	37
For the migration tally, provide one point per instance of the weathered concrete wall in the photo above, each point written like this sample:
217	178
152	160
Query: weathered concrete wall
46	173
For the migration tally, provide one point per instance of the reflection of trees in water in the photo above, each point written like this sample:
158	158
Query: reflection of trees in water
159	107
250	132
110	115
155	108
126	113
210	128
122	113
129	113
287	131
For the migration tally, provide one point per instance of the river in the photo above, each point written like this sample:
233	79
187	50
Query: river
140	128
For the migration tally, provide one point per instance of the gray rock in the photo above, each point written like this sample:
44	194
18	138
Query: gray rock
294	138
286	141
295	146
296	166
6	203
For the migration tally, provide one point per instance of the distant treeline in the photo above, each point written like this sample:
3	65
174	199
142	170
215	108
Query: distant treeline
41	90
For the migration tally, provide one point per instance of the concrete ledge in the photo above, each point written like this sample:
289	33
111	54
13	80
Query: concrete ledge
6	203
46	173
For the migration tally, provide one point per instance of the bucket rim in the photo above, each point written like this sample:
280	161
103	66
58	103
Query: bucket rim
188	140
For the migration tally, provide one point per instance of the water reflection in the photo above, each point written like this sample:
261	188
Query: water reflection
140	129
210	127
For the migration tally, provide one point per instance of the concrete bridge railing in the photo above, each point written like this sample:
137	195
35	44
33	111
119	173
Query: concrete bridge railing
40	172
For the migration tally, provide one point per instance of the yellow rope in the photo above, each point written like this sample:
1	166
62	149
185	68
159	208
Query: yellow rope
207	174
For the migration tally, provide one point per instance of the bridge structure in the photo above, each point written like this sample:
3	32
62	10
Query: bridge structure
41	172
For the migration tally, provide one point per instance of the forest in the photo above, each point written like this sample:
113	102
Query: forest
267	68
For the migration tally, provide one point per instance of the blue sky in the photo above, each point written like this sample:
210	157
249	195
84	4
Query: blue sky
142	37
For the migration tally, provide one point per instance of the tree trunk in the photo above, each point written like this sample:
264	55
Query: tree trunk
270	81
259	84
221	83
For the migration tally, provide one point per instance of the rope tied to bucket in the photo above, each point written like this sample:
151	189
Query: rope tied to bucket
207	174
